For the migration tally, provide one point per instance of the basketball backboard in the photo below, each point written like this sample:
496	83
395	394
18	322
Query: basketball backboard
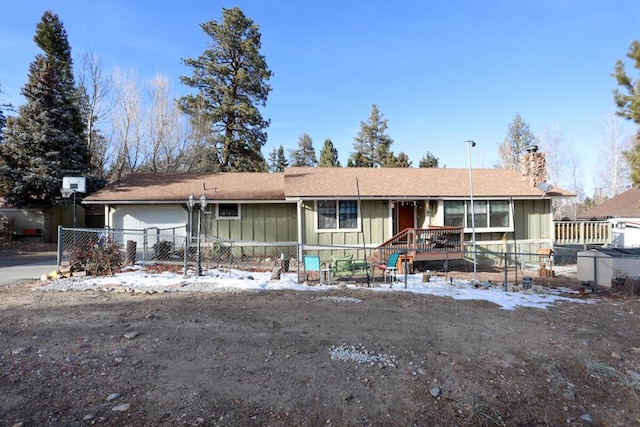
76	184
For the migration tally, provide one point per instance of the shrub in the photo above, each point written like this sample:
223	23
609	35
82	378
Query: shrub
97	260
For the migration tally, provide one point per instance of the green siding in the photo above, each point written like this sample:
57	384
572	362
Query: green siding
374	227
268	222
532	219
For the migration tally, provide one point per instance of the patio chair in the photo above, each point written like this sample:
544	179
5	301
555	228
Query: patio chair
391	267
313	267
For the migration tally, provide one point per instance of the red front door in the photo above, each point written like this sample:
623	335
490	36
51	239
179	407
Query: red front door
405	215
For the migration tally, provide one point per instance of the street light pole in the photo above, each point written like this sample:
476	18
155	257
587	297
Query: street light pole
473	216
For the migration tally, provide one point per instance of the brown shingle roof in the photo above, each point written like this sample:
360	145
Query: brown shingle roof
319	182
624	205
178	187
408	182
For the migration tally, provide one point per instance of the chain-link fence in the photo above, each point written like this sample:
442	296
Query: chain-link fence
354	264
172	246
136	245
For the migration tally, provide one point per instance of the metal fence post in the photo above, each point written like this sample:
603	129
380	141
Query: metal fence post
595	274
406	255
60	244
144	244
186	252
506	269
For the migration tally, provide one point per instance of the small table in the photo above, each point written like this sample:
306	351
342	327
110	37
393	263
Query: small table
400	264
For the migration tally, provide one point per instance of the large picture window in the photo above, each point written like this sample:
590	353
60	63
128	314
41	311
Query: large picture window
337	214
488	214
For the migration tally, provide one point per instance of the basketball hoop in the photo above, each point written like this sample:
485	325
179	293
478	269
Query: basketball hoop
66	193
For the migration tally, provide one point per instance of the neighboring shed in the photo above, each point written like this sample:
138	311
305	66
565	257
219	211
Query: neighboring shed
603	265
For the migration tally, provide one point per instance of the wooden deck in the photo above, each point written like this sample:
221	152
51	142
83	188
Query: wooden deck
426	244
437	243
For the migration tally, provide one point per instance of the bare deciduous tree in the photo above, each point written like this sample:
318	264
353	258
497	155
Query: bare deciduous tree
127	123
166	143
563	170
95	89
613	169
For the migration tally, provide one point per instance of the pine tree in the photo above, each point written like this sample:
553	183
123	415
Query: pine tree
328	155
399	161
45	142
231	78
305	154
372	145
429	161
628	103
516	141
277	160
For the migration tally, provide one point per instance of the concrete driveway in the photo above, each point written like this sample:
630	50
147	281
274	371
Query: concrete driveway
31	266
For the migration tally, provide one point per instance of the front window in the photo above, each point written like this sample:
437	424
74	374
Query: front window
480	214
337	214
499	213
228	211
454	213
487	214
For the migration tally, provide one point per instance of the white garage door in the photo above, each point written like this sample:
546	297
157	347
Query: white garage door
164	225
143	217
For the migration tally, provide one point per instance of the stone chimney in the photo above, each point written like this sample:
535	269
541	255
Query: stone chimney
534	166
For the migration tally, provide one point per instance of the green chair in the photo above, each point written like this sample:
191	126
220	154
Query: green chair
342	265
346	266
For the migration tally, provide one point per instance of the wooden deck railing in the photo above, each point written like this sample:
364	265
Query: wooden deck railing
582	232
432	240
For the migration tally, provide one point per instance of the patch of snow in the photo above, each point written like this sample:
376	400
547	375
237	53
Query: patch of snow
231	280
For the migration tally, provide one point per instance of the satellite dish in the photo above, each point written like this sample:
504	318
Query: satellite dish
544	187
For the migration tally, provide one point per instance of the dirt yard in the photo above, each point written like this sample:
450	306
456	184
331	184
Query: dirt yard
340	358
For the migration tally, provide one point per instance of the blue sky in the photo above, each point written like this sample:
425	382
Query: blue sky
441	72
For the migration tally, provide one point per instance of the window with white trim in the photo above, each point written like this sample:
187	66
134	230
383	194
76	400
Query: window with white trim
487	214
337	215
228	211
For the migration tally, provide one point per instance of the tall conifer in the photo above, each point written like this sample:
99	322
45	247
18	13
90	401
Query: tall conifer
45	141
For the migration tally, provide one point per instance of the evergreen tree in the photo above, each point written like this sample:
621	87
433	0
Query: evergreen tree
372	145
305	154
516	141
628	103
45	142
399	161
429	161
277	160
328	155
231	78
